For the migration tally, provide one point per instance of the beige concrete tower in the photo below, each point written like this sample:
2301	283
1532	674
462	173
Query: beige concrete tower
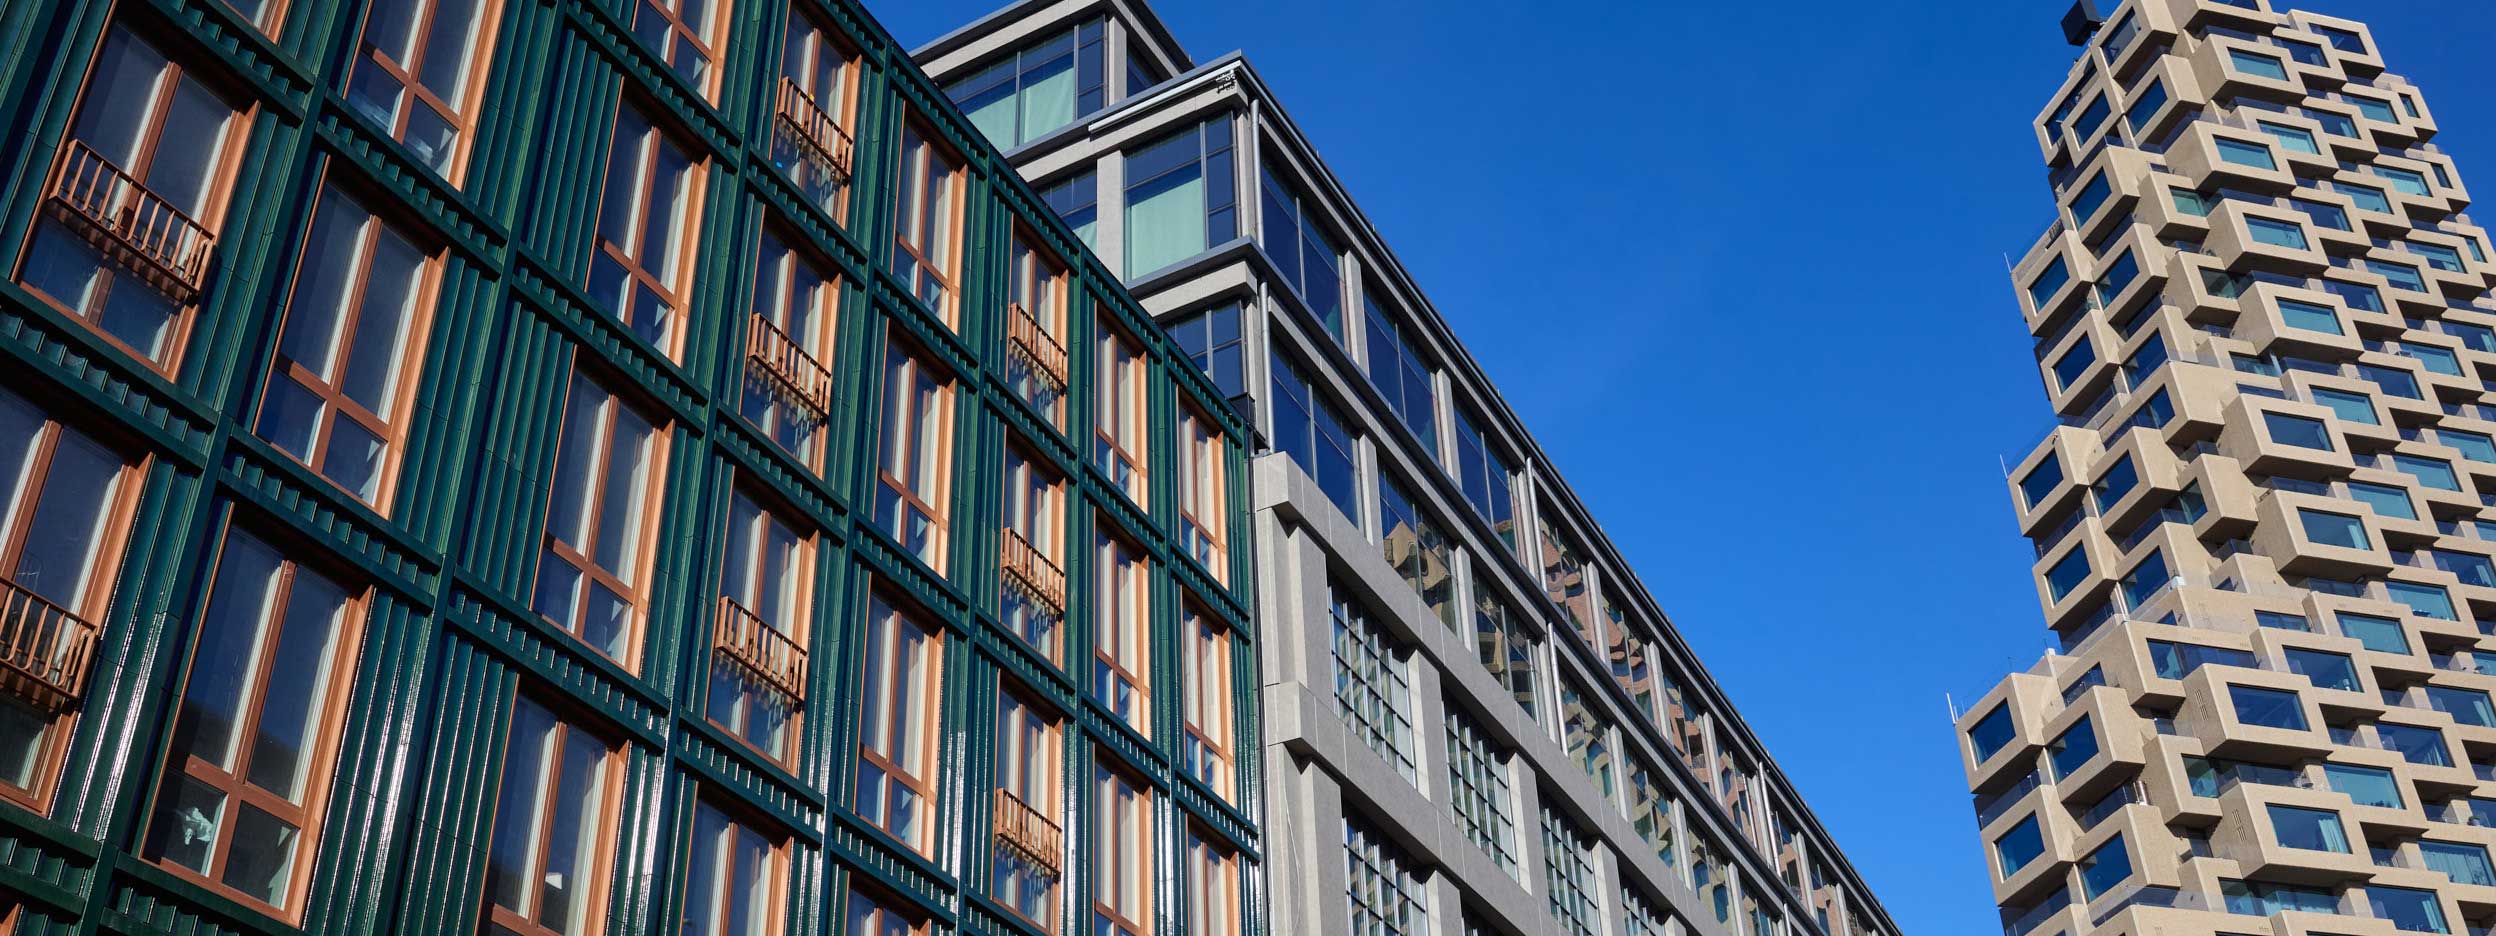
2260	534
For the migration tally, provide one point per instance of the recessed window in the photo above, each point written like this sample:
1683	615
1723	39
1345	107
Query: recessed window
1204	493
1506	648
1210	750
2299	431
1479	794
2331	529
2092	118
2091	197
737	875
2336	124
1298	244
2371	108
2303	53
1396	368
2073	749
2430	472
2067	573
2304	315
2145	580
766	603
1483	474
902	664
2416	744
916	470
2074	364
2474	446
2364	197
2467	706
2469	568
550	858
2429	601
2380	634
2041	481
2309	829
2116	483
1182	198
254	737
1373	686
1384	892
2366	786
1122	630
2437	256
1036	321
2292	139
1030	846
1077	202
2401	276
2464	863
418	75
2019	846
2190	202
2245	153
2386	500
2267	708
787	392
647	226
610	468
1417	547
2393	381
2341	39
2259	66
2173	660
870	917
2403	181
2146	107
2353	407
2411	911
1307	428
811	141
1121	378
149	161
2048	283
1122	854
1213	885
2325	670
1036	89
927	222
2117	276
685	35
2322	214
1033	556
1568	875
2276	233
1210	338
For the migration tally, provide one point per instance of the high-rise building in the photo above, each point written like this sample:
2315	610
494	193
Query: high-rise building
1476	720
2261	519
586	469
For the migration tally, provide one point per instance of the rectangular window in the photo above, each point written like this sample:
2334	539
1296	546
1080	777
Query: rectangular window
1483	474
2331	529
2380	634
1122	858
418	75
1030	843
2427	601
1076	200
1120	384
1182	197
2430	472
1210	751
552	851
610	467
1373	685
136	198
758	672
2041	482
916	472
2091	197
927	222
787	391
2067	574
2309	829
736	877
2048	283
2366	786
2322	214
2354	407
2093	117
1567	577
349	353
2145	108
2073	749
1400	374
1418	549
1384	895
2116	484
1204	493
2298	431
2403	181
1993	733
1651	810
684	34
255	735
810	140
1505	647
1213	893
2324	670
1587	733
2306	315
2464	863
1122	631
1038	88
67	504
2467	706
2259	66
2245	153
2401	276
1296	241
870	917
1307	428
2411	911
2276	233
903	662
1568	876
1210	338
2103	869
648	224
2074	364
1031	553
2267	708
1478	790
1036	301
2019	846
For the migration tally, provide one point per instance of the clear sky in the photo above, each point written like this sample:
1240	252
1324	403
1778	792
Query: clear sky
1739	265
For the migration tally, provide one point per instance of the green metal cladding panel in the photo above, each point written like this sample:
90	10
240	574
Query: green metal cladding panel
448	642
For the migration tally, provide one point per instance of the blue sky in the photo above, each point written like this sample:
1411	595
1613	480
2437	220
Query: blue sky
1774	233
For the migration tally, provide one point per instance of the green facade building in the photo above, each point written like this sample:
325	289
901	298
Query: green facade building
592	467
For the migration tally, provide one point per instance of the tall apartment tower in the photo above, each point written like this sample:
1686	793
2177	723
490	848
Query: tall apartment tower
1476	720
2262	519
582	468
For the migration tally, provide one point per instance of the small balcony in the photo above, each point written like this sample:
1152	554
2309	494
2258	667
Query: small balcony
45	651
792	374
1030	572
760	649
131	225
1024	831
1035	345
817	137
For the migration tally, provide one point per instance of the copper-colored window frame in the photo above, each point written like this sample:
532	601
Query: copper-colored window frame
1033	491
1114	416
880	907
719	15
1113	834
392	430
1200	846
461	118
662	435
605	823
1037	297
322	759
1109	550
1220	738
802	574
817	344
843	112
740	817
914	174
687	240
211	216
940	524
1204	487
1049	807
921	778
111	546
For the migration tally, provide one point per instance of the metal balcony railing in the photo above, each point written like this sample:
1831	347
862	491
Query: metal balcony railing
818	138
1026	832
131	225
753	644
793	375
45	651
1035	345
1026	569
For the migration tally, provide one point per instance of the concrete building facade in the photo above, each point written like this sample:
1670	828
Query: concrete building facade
1476	720
553	468
2262	519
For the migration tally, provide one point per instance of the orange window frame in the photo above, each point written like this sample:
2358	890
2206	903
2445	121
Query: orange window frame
1120	423
103	574
919	778
876	917
1208	860
1211	719
917	177
322	760
1204	490
391	428
211	217
1015	774
582	556
1123	845
806	42
461	117
686	240
674	26
904	367
774	913
800	580
605	824
777	299
1123	625
1038	284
